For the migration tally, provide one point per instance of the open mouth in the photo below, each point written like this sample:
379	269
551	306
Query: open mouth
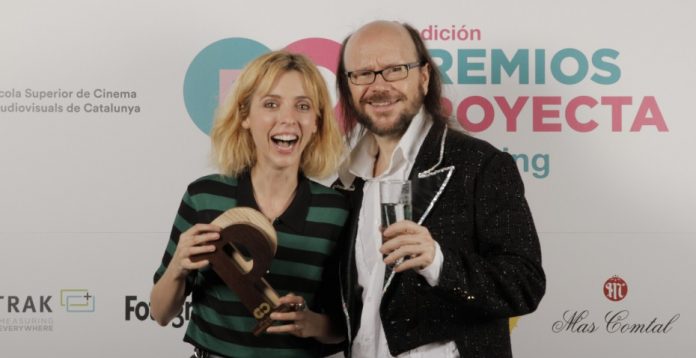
381	100
380	103
285	140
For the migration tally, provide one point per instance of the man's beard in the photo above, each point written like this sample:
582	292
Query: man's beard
403	121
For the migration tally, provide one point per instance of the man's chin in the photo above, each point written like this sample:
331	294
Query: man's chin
394	127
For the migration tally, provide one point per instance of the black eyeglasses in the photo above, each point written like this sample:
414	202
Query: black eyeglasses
390	74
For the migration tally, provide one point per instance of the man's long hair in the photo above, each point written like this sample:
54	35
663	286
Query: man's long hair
431	101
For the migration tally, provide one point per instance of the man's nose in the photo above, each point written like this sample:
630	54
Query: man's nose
379	80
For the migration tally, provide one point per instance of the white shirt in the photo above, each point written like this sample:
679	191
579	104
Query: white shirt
370	340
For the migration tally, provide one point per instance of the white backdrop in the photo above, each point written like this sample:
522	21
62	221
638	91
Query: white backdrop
88	198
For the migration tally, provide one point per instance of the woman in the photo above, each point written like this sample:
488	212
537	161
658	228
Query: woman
277	128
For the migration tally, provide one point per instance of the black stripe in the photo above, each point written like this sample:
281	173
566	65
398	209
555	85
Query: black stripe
166	259
187	213
301	256
175	234
206	216
291	283
222	307
329	201
323	230
209	186
249	340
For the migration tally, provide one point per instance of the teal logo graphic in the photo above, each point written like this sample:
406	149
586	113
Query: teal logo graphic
77	300
203	78
213	71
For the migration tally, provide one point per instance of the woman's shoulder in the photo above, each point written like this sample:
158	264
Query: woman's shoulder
326	195
206	182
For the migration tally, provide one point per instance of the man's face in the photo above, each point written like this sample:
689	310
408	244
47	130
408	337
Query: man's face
385	108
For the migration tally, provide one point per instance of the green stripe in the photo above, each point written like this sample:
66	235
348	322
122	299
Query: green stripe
220	179
225	294
181	224
297	269
222	293
171	248
160	271
235	323
320	189
306	243
333	216
212	202
187	199
217	345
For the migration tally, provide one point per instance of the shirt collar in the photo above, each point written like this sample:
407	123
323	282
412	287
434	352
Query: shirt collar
294	216
362	157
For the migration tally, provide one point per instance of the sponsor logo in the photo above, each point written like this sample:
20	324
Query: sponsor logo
77	300
139	310
614	320
37	313
615	289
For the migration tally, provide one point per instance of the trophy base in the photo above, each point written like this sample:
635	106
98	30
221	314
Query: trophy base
266	321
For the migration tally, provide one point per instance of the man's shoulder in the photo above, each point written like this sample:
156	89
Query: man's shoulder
457	137
461	143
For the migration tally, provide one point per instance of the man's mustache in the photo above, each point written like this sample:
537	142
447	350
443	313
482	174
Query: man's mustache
382	97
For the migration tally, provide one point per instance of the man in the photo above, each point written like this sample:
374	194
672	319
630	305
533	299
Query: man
471	256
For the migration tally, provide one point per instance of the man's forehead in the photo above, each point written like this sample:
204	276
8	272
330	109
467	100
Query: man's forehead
379	48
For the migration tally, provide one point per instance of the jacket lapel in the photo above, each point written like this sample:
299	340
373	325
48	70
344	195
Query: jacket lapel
429	175
428	180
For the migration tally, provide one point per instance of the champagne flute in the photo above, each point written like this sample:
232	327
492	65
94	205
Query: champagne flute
395	203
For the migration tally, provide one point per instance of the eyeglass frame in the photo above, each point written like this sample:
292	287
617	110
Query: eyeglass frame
409	66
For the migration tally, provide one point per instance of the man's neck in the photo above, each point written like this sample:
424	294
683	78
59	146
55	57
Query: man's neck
386	147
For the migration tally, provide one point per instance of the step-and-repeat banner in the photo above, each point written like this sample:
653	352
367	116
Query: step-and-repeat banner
105	108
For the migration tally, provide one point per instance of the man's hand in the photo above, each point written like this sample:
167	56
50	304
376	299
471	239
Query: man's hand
410	241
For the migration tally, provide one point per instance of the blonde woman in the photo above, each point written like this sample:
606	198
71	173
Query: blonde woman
276	130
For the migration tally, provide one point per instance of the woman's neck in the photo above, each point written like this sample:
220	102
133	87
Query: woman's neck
273	190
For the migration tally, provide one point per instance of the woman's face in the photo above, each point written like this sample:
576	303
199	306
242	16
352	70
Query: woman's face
281	123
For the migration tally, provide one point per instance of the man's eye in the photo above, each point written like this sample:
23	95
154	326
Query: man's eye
396	69
362	74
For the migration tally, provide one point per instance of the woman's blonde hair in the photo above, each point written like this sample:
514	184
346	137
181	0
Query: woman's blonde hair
233	149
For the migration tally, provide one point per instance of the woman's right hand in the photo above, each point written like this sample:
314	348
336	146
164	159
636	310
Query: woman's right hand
194	241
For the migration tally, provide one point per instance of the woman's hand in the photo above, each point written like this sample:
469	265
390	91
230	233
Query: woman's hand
196	240
168	294
303	322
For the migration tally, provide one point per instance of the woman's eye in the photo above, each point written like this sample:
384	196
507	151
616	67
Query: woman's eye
270	104
304	106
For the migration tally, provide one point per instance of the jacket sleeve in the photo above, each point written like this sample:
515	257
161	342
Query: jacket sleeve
499	273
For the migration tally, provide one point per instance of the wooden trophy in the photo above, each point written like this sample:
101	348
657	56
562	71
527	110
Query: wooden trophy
247	229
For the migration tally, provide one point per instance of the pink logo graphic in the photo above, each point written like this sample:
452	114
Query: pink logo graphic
322	52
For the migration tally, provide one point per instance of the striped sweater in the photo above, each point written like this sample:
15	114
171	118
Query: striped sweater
307	235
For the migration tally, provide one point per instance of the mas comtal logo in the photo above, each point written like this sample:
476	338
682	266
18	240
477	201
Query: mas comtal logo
615	288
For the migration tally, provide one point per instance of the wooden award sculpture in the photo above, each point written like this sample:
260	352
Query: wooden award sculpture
248	229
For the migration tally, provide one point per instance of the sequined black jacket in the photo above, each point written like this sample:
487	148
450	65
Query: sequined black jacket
471	198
